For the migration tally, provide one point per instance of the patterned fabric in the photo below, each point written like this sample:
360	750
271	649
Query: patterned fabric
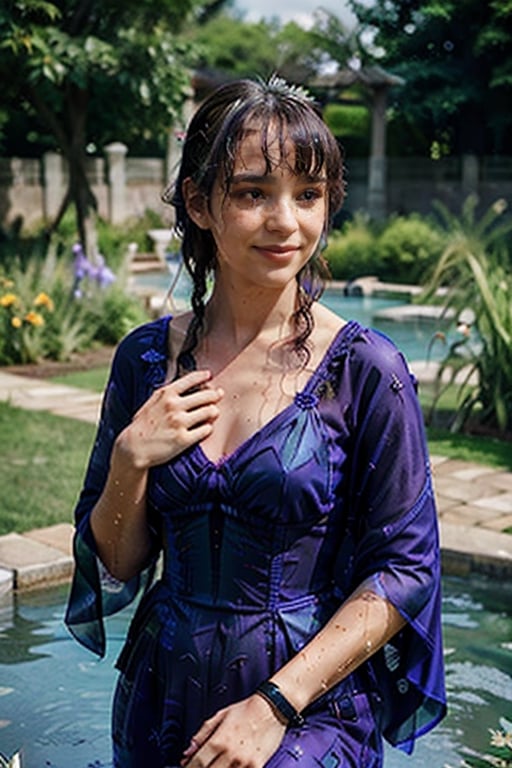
260	549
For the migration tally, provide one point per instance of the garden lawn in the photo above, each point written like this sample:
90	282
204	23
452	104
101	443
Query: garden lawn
94	379
43	460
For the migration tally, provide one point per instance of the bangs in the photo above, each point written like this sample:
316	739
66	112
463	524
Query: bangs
291	137
291	131
310	141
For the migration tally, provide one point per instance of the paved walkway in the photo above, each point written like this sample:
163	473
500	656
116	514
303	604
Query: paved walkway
474	502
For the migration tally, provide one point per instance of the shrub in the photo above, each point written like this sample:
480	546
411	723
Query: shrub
114	315
27	303
352	252
409	247
51	309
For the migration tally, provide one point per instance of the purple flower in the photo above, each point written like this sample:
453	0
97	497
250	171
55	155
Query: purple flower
81	265
101	273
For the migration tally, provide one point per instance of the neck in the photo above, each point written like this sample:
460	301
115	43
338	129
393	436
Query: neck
243	315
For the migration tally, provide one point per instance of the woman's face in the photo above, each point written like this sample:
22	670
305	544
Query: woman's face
268	224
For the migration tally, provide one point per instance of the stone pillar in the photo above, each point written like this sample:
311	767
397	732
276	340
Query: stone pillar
377	200
116	155
470	175
53	184
175	141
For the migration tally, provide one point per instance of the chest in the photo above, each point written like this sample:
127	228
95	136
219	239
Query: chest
255	392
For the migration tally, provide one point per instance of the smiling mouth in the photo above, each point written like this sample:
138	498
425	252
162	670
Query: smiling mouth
278	250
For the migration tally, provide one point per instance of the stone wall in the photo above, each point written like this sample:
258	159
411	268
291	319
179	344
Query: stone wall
125	187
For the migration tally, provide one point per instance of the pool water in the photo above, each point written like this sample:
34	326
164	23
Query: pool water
412	337
55	696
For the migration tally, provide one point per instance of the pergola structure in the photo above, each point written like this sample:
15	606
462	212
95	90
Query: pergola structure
377	82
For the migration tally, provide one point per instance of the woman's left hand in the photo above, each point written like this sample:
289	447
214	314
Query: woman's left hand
245	735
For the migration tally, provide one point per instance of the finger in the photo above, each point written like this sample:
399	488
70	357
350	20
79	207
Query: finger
201	397
202	735
190	381
207	413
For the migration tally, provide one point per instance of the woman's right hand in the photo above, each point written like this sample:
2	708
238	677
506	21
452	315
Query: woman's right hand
176	416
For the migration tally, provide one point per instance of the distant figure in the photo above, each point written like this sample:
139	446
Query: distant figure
275	454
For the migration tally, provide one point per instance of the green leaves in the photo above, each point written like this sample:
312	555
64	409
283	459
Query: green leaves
474	270
455	58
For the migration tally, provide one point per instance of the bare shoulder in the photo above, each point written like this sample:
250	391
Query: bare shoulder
326	328
327	324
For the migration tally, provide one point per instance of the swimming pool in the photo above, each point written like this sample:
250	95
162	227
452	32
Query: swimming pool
412	337
55	696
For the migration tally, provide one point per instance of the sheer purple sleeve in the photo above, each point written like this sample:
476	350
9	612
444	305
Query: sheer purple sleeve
392	542
94	592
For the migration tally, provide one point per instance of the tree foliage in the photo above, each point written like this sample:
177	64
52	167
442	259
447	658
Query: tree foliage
455	58
237	48
88	72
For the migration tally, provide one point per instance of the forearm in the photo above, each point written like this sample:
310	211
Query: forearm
119	520
363	624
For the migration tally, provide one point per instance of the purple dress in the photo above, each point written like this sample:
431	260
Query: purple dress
259	551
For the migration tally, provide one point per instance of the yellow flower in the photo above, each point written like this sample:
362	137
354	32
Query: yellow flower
6	283
34	318
16	322
43	300
8	299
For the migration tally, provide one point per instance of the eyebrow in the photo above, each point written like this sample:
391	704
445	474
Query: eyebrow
266	178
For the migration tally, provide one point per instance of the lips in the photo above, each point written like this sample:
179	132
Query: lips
278	250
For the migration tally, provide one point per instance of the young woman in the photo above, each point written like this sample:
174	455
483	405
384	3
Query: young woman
275	454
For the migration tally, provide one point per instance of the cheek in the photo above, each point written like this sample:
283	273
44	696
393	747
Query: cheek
315	225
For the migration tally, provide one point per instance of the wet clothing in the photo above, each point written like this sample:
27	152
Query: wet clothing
259	551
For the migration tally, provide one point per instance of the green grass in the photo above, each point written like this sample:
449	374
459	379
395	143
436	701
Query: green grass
94	379
43	463
480	450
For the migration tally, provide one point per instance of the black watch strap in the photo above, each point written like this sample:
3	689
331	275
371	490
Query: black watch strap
280	704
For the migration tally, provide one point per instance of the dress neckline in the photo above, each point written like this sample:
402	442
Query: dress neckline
304	398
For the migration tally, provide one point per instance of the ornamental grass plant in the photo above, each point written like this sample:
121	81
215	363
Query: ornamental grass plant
475	271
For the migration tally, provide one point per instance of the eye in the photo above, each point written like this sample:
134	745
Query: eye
311	194
248	195
254	194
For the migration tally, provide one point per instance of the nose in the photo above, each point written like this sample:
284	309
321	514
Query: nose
281	216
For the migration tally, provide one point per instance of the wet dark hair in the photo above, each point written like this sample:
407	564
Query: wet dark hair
209	153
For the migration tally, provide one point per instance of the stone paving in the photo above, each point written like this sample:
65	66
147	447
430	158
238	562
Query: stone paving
474	503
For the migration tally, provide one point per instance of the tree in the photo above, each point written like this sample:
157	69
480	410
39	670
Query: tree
237	48
89	72
455	58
